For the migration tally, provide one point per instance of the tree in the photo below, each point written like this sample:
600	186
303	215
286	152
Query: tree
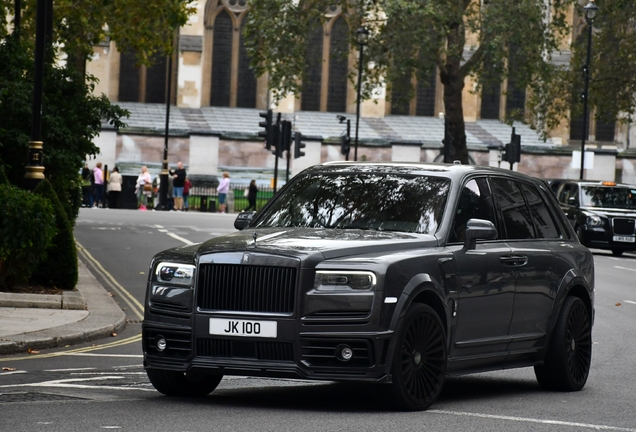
412	38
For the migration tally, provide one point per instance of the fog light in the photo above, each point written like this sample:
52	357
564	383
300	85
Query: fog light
161	343
344	352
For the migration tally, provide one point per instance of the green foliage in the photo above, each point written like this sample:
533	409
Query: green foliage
59	268
27	227
3	178
145	27
71	118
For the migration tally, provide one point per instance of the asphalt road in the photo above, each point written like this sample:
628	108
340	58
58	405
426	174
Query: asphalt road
103	386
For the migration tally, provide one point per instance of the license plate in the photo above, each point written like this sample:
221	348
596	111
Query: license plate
625	239
249	328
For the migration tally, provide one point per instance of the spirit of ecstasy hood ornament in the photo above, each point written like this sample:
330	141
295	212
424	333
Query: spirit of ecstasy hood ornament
254	236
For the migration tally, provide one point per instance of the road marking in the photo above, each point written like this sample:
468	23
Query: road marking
163	230
71	383
134	304
126	341
625	268
105	355
68	370
158	226
533	420
13	372
108	373
181	239
629	301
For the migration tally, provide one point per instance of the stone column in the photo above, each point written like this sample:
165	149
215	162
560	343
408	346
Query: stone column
204	154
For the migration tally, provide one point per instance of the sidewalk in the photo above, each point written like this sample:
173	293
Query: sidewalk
38	321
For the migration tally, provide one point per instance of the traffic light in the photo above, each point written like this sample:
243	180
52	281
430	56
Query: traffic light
298	145
285	138
345	145
275	143
268	133
512	152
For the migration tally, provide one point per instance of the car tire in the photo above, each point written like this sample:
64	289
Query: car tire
567	362
617	252
419	361
179	384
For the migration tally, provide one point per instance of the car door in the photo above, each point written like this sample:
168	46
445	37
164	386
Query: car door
485	283
530	231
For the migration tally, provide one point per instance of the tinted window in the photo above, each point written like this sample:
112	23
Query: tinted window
386	202
612	197
475	202
543	221
569	190
515	213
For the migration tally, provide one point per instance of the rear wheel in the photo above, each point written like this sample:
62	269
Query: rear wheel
419	363
174	383
617	252
567	362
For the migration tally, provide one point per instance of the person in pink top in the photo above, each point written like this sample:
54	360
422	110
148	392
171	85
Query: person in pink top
223	189
98	188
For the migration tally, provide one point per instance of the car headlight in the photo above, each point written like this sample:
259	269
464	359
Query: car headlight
344	280
174	273
593	221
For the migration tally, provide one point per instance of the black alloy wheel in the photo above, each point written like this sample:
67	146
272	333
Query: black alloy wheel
419	363
179	384
567	362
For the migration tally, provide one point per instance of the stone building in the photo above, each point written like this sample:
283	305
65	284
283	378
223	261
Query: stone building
216	99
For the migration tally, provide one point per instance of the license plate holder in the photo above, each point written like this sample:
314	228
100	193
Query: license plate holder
243	328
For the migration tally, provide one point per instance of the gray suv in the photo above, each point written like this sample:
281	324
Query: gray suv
393	273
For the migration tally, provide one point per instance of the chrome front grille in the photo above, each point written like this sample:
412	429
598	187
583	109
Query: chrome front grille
244	288
623	226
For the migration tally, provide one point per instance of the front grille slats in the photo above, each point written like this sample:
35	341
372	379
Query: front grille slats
254	350
244	288
623	226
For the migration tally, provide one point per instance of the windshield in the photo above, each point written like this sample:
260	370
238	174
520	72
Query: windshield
377	201
610	197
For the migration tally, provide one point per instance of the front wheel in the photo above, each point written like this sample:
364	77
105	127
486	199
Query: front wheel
419	362
567	362
174	383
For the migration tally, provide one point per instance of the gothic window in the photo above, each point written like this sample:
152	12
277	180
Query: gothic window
221	60
490	100
128	78
338	66
156	81
516	93
605	131
425	105
140	83
246	92
313	72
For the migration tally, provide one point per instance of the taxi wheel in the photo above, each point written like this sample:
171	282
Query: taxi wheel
567	362
419	362
174	383
616	252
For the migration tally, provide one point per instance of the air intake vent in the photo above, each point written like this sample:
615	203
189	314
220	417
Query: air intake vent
245	288
322	353
256	350
624	226
164	306
178	344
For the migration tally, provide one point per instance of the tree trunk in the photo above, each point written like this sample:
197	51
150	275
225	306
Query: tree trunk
453	82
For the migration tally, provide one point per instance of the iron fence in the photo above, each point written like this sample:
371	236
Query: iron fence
204	197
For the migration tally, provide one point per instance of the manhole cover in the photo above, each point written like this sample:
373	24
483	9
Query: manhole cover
35	397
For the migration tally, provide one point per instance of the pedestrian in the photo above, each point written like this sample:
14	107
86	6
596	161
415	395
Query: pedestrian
87	186
187	184
178	180
223	189
98	187
252	190
114	188
143	188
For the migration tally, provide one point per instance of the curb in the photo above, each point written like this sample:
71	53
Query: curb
104	318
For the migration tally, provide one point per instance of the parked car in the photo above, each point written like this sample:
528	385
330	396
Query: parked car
393	273
603	214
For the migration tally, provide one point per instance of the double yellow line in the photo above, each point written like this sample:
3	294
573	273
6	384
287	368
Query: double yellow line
121	342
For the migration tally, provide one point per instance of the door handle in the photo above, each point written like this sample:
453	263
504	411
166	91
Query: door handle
514	260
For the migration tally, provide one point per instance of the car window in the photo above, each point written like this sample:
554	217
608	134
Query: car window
569	190
609	197
377	201
475	202
516	215
543	220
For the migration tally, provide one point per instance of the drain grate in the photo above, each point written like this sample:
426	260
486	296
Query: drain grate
35	397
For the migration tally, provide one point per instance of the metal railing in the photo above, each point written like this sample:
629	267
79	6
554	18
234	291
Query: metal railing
204	197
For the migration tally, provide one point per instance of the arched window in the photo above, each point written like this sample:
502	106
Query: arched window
128	78
338	66
313	73
141	83
425	105
221	60
246	91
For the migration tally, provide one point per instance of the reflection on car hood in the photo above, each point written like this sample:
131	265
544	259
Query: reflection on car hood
330	243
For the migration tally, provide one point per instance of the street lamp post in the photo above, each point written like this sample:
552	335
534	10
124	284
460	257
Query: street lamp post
590	13
363	37
163	176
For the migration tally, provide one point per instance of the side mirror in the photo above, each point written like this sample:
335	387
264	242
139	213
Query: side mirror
479	229
572	200
243	220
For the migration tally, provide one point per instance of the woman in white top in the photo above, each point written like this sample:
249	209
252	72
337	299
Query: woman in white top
114	188
223	189
143	188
